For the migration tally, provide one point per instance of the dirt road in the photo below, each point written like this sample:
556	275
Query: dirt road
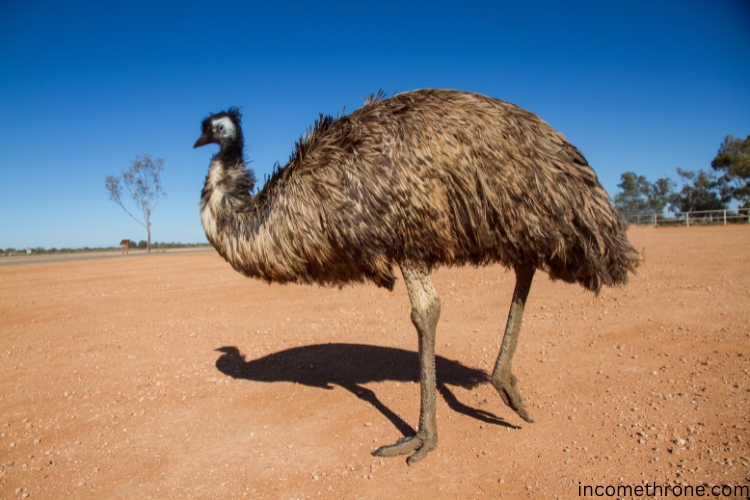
54	258
172	376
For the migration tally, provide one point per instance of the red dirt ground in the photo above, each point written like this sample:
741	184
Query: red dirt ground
172	376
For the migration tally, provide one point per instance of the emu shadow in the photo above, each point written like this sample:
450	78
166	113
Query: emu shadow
350	366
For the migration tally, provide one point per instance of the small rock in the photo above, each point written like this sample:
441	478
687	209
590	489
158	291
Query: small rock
679	442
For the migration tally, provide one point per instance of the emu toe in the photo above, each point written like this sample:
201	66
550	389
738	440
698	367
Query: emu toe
421	447
508	389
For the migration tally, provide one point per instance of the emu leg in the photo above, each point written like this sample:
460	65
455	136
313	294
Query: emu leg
425	311
502	377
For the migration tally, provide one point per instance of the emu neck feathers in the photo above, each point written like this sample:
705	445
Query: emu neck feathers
274	236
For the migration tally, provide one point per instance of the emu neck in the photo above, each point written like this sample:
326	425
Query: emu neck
231	153
226	201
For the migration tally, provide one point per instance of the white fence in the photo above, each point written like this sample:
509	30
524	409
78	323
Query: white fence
702	217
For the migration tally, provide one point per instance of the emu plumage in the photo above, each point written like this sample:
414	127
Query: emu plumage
421	179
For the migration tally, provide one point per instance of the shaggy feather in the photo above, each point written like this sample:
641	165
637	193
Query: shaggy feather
440	177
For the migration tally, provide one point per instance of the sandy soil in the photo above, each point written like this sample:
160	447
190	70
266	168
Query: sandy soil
172	376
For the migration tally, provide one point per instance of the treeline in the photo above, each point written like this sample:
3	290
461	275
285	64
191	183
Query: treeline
143	244
693	191
139	245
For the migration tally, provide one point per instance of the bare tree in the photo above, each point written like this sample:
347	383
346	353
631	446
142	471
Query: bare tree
143	183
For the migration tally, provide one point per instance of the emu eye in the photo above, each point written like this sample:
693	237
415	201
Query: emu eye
220	128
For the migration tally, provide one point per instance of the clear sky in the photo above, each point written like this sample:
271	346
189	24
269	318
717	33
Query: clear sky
641	86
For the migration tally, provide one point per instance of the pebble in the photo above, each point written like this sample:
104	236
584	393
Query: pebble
679	442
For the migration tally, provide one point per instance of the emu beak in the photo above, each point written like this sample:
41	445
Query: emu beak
202	141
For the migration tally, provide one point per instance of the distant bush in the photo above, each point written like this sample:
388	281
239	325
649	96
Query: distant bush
66	250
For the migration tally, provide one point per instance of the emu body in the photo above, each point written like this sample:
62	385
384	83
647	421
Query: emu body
419	180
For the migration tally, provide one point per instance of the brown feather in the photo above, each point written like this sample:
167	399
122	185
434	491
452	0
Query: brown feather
441	177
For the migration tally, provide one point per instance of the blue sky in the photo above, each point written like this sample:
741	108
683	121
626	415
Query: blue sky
86	87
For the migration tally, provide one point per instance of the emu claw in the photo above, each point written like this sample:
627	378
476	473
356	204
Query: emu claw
404	446
511	396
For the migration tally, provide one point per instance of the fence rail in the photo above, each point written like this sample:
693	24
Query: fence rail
700	217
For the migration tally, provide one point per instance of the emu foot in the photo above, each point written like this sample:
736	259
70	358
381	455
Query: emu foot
421	447
506	385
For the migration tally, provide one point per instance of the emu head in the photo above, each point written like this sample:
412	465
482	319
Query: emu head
225	129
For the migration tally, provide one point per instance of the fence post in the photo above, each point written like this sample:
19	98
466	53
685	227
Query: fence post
725	217
687	218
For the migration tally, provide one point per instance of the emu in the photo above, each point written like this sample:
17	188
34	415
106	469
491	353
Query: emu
421	179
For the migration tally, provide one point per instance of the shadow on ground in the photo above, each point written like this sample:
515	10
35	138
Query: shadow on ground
351	365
